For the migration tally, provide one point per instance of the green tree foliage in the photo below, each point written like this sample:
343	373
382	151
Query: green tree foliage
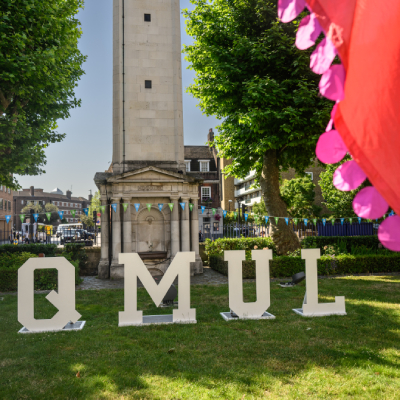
250	75
95	203
37	208
299	195
40	65
87	220
259	209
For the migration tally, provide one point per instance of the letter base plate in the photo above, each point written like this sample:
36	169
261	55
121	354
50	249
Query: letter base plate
227	316
300	312
77	326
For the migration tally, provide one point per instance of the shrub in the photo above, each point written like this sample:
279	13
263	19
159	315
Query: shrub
344	243
77	252
327	265
49	250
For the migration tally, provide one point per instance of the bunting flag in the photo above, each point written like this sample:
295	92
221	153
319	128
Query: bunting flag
295	220
305	221
137	206
234	213
333	221
171	206
214	210
8	217
36	216
391	213
114	207
86	210
73	212
203	208
22	217
324	221
246	216
287	221
148	205
351	221
359	220
160	206
224	213
266	220
314	221
276	220
61	214
102	209
125	205
183	206
190	206
48	215
341	220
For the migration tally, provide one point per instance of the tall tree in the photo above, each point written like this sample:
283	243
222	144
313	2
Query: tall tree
250	75
40	65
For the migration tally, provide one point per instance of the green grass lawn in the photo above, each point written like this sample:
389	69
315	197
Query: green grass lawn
291	357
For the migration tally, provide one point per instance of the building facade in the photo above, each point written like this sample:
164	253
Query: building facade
6	208
65	203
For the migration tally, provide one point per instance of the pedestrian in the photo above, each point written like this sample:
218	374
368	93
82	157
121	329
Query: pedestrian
200	236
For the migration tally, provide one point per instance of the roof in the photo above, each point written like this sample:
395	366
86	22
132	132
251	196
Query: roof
199	152
52	195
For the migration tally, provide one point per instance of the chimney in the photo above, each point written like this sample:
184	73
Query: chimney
69	193
32	190
210	136
90	198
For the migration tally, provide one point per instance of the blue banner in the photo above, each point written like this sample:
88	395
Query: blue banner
36	216
8	218
137	206
324	221
341	220
61	214
246	216
305	221
287	221
183	206
114	207
203	208
266	219
224	213
391	213
359	220
160	206
86	211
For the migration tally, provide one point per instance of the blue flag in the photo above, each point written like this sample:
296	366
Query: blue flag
341	220
183	206
266	220
8	217
36	216
224	213
246	216
86	211
287	221
359	220
391	213
305	221
160	206
203	208
61	214
114	207
137	206
324	221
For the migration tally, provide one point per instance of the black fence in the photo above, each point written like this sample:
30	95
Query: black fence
90	236
302	230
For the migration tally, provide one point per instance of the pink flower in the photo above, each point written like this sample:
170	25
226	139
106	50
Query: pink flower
255	247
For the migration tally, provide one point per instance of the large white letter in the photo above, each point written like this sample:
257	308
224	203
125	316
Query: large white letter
134	268
64	300
311	307
256	310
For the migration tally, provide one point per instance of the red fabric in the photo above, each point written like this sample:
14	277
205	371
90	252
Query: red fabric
367	36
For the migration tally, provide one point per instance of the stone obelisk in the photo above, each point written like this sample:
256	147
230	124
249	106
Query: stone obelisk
156	202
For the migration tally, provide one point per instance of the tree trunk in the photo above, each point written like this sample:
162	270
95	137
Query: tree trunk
284	237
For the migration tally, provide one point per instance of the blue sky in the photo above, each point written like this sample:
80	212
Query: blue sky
88	145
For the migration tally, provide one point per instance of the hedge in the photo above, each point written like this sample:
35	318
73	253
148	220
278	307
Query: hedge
285	267
322	241
49	250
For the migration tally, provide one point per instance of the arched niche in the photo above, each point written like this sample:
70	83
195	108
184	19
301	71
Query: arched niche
150	234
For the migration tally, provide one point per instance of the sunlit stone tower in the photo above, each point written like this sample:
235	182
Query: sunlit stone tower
148	154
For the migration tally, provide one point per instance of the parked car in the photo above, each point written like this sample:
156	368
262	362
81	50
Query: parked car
70	235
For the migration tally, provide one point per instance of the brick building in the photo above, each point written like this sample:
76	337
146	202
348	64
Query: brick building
64	203
6	208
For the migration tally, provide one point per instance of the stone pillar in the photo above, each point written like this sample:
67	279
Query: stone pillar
116	269
175	227
185	230
103	269
197	267
127	226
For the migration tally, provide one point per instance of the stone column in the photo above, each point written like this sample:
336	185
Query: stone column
116	231
127	226
175	227
197	267
185	230
103	268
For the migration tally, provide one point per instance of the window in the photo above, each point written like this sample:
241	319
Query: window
22	202
187	163
216	226
80	205
147	17
204	166
310	174
1	204
9	206
147	84
205	192
9	190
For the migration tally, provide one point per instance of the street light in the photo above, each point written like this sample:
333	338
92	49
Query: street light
230	201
